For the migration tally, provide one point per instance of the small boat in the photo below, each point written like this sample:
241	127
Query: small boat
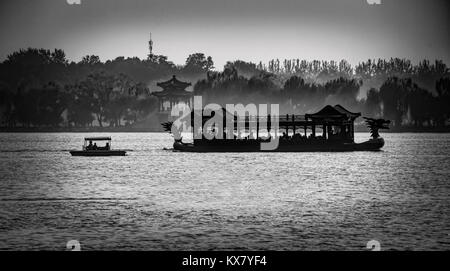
93	150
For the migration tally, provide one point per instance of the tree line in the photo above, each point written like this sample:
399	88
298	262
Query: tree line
399	97
41	88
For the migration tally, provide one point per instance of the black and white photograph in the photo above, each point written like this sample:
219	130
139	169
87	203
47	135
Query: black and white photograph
224	126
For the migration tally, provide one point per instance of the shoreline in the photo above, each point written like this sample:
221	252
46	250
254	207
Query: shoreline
358	129
79	130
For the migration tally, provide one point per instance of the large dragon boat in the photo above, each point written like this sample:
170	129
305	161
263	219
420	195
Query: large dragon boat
330	129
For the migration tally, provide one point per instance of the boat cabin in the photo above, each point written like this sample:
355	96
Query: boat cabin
174	92
336	122
90	144
90	148
331	124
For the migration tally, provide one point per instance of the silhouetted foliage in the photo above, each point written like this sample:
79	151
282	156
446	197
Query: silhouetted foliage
373	103
115	92
246	69
230	87
40	87
197	62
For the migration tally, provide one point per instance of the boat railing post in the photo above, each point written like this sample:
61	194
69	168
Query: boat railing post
353	131
287	124
293	124
257	127
224	124
237	125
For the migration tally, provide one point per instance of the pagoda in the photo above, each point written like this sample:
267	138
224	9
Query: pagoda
174	92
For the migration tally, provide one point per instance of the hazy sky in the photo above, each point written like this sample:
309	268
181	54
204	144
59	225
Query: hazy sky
250	30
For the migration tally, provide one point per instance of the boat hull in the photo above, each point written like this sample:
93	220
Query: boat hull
98	153
370	145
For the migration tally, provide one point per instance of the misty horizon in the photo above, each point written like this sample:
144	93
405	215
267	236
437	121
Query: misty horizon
251	31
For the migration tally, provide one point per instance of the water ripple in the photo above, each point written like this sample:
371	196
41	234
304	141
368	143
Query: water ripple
159	200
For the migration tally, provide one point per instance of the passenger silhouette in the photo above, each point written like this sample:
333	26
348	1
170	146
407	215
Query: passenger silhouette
90	146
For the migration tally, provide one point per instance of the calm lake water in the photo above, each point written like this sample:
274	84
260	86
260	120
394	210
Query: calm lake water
155	199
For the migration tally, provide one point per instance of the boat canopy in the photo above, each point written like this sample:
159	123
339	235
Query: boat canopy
100	138
336	112
349	114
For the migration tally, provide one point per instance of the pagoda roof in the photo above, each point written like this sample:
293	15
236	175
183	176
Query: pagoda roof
333	112
173	83
173	88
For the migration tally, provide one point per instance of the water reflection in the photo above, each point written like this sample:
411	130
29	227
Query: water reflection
156	199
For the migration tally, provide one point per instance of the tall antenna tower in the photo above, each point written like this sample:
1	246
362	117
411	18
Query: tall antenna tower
150	47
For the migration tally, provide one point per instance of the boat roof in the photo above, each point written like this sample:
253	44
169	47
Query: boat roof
333	112
341	109
98	138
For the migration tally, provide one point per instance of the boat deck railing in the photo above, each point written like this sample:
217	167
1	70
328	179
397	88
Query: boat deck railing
287	120
280	117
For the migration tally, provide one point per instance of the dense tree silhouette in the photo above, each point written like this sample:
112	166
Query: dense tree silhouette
41	88
246	69
198	62
441	110
393	97
372	104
